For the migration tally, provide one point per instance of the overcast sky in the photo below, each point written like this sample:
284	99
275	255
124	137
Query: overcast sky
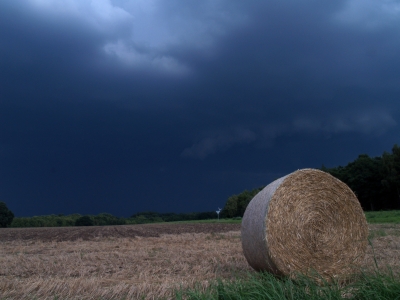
122	106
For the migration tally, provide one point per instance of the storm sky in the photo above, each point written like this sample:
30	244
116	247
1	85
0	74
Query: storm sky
124	106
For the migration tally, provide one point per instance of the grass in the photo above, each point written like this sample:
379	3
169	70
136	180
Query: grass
388	216
266	286
373	217
372	285
223	221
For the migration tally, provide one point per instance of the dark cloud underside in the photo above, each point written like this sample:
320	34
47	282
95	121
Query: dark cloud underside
123	106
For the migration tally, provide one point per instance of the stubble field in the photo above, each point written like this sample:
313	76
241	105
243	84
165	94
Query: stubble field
138	261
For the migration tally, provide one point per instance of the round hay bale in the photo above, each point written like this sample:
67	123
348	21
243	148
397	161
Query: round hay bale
305	222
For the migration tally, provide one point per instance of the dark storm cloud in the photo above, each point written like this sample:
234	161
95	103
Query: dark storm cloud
305	68
224	140
177	99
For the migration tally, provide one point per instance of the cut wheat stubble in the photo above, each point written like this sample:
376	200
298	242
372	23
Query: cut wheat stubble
121	268
305	222
141	267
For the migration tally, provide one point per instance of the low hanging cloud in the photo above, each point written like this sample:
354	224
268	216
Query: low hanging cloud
145	35
367	122
373	123
101	15
148	59
369	14
219	142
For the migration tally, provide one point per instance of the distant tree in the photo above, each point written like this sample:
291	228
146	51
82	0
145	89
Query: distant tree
154	217
364	177
140	219
206	215
170	217
236	205
391	171
231	207
6	215
374	180
107	219
146	217
84	221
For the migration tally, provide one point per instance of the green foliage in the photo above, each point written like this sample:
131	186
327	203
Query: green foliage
236	205
230	209
84	221
145	217
107	219
375	181
6	215
46	221
378	286
391	216
154	217
391	169
224	221
69	220
266	286
104	219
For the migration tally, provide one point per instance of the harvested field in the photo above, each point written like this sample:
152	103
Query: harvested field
116	261
60	234
129	262
385	249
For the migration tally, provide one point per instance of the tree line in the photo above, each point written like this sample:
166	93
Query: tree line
99	220
67	220
374	180
152	217
236	205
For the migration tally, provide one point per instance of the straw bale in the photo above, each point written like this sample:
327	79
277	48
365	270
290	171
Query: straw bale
307	221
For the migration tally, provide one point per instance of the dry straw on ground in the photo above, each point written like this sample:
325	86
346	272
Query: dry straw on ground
107	267
117	268
307	221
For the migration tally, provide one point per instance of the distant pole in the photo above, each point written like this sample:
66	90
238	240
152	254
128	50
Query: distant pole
218	211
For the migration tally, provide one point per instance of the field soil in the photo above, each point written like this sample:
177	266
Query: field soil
139	261
60	234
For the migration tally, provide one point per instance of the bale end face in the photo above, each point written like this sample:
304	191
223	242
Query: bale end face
306	222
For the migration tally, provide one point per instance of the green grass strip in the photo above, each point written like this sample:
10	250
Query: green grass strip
384	216
268	287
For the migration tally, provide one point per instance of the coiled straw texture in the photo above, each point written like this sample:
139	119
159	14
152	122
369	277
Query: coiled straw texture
307	222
